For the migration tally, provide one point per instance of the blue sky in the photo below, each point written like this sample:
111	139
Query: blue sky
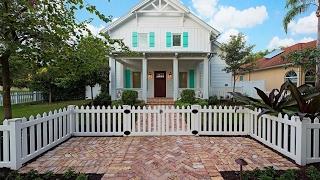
259	20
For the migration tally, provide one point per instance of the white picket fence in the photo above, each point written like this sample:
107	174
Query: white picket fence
24	97
24	139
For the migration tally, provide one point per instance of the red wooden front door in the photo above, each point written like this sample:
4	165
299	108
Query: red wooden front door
160	84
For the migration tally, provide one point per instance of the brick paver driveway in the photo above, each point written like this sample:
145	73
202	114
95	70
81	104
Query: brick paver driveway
163	157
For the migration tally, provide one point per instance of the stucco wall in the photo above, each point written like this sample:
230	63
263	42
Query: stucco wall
274	77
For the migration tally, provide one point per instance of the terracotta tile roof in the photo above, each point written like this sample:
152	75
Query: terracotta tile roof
277	60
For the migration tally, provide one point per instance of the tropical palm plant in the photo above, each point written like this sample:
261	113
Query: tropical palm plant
297	7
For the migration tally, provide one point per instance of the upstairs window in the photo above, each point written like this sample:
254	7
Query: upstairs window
143	40
176	40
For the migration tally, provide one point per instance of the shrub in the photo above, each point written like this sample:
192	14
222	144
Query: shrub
103	99
202	102
180	103
188	96
213	100
129	97
313	173
117	103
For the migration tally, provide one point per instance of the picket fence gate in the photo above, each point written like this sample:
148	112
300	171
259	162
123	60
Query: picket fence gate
23	139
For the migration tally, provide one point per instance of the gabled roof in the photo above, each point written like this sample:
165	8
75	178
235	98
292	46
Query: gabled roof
277	60
175	3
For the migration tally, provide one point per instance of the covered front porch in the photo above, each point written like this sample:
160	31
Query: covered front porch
160	75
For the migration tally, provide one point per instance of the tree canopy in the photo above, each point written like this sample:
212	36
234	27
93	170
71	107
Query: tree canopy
39	32
237	54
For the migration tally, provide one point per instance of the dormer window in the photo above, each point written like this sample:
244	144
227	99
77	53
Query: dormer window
176	40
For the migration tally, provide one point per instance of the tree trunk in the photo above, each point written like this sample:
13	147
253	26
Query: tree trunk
50	95
234	83
6	86
318	61
91	94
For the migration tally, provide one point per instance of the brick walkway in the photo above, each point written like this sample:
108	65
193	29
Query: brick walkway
165	157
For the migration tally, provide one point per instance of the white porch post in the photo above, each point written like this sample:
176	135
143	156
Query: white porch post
206	78
112	78
144	79
175	78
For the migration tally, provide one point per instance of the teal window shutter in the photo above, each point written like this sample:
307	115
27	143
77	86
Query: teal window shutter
151	39
127	78
134	39
168	39
185	39
191	79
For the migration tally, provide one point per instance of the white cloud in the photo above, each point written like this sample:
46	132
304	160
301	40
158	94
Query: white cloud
225	37
230	17
304	25
94	30
205	8
277	42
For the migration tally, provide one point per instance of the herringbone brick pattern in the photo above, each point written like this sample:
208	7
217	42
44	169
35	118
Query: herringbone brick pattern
163	157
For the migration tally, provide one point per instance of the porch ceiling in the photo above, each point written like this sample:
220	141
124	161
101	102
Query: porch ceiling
161	55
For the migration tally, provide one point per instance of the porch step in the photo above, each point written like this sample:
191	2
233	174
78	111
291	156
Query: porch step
160	101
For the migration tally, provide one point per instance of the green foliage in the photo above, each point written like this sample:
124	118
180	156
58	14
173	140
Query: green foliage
70	174
213	100
306	58
118	103
82	176
103	99
288	175
281	101
237	55
295	8
313	173
188	96
129	97
32	175
269	173
14	175
201	102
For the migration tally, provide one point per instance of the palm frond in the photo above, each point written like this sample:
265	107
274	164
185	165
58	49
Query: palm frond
293	12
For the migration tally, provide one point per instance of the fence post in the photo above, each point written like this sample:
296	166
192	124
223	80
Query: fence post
15	143
247	121
16	98
301	145
34	96
127	120
72	118
195	119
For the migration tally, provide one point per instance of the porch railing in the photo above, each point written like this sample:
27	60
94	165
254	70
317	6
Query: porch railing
24	139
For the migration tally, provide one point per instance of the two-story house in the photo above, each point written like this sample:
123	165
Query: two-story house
178	51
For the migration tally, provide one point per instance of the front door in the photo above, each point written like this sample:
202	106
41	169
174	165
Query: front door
160	84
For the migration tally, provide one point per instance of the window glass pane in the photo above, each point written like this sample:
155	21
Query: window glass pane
183	80
292	76
143	40
176	39
136	79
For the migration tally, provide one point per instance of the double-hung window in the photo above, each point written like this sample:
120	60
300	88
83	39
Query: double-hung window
176	40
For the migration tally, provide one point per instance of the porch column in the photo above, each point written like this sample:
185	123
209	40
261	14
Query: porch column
112	78
144	79
175	78
206	78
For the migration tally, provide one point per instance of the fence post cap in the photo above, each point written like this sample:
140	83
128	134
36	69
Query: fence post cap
71	106
15	120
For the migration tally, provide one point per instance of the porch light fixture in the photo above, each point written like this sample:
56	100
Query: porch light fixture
150	75
170	75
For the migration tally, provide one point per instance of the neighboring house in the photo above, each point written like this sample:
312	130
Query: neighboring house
274	71
178	51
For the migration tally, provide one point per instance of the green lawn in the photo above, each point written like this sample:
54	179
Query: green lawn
26	110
